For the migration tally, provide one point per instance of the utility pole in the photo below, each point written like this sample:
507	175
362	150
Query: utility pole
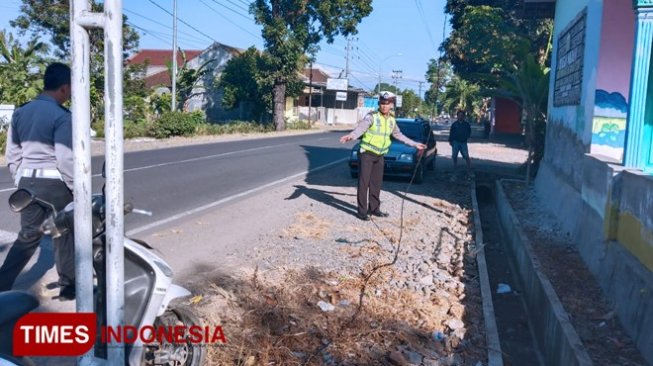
310	92
174	56
347	49
419	100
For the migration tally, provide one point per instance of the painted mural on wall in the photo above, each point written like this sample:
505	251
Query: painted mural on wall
613	79
609	124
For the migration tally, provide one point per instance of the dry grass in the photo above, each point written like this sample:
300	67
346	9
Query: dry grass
308	226
278	322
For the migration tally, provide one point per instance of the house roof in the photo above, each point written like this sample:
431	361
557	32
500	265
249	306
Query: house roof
160	57
161	78
319	76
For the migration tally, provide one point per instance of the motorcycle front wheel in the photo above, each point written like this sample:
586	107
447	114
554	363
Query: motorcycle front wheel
177	354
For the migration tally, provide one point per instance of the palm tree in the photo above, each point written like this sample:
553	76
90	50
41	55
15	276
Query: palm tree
460	94
528	85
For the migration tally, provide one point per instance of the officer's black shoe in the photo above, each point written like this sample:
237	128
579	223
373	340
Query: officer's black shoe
363	217
67	293
379	213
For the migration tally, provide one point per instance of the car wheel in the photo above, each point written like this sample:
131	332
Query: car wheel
431	164
354	174
419	176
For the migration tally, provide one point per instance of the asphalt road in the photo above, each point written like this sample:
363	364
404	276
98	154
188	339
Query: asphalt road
176	182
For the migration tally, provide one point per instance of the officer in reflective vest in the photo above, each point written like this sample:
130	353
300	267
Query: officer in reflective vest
376	129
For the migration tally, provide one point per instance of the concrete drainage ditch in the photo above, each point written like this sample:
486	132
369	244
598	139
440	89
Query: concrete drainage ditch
532	325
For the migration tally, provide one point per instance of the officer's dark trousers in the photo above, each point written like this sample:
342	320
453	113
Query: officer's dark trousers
29	237
370	179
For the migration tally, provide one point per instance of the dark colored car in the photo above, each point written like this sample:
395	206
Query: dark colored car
401	159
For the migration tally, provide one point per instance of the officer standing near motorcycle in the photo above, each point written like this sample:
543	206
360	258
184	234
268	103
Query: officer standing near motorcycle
376	129
40	158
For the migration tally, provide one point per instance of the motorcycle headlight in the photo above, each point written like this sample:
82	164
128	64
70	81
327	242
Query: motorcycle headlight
406	157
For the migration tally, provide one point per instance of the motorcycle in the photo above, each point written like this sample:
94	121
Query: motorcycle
148	286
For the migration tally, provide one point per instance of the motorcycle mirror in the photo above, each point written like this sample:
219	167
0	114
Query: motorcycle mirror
20	199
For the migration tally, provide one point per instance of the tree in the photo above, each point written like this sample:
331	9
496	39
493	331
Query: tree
188	79
439	73
293	28
528	85
21	69
52	17
486	36
242	82
410	103
460	94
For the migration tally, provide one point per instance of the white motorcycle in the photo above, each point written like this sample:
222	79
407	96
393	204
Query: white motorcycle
148	287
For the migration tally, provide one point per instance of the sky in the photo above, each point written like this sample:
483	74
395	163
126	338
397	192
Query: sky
398	35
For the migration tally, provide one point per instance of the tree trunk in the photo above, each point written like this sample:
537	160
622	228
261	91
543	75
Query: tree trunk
279	105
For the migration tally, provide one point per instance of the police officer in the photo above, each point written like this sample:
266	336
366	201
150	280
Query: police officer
376	129
40	158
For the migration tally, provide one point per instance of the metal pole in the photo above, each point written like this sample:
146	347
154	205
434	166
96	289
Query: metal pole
81	117
114	181
174	56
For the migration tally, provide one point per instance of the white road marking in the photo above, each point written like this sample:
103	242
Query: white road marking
228	199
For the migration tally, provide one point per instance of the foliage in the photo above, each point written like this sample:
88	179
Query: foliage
3	142
53	17
439	73
21	69
410	103
243	80
174	124
187	80
528	85
387	87
160	103
460	94
486	37
233	127
292	28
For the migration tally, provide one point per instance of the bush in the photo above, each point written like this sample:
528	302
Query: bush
298	125
175	124
129	129
233	127
3	142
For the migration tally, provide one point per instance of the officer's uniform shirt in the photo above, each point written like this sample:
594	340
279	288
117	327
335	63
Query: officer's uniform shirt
40	137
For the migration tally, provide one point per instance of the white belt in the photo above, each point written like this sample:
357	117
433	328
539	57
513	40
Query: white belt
41	173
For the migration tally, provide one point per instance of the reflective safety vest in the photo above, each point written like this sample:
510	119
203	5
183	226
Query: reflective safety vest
377	138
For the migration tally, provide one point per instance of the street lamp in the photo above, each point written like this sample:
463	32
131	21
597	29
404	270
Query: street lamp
378	88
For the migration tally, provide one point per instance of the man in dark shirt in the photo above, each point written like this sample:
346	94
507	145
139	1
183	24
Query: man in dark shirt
40	158
458	135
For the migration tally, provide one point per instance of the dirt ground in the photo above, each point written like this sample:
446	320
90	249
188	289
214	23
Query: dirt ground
595	322
325	288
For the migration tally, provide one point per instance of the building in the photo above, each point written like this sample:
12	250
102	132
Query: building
205	96
595	174
327	106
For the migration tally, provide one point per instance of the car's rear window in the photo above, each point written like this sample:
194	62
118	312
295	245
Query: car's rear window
412	130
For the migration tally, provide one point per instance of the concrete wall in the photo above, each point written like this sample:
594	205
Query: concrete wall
615	239
569	127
